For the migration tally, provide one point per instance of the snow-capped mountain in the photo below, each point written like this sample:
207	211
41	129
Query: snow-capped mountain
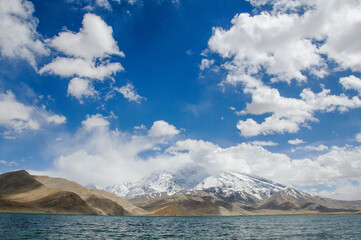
229	186
237	187
167	182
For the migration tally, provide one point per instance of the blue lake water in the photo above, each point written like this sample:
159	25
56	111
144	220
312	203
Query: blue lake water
36	226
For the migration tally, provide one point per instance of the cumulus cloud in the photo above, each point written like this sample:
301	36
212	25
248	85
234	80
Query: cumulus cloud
288	114
319	148
286	44
103	3
56	119
70	67
86	51
343	189
351	82
129	92
8	164
17	117
81	88
206	63
272	42
19	38
296	141
95	121
87	56
161	128
94	40
91	5
293	40
358	137
112	156
264	143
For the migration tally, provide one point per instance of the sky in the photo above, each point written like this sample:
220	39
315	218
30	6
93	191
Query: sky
106	91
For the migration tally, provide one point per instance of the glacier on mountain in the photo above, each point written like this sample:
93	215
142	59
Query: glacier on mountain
226	185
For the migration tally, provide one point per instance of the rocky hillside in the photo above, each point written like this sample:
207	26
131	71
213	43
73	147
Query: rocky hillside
22	192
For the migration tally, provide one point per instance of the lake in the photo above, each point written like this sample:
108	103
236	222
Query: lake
37	226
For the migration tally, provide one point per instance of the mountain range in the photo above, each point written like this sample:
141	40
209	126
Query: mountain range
186	192
228	186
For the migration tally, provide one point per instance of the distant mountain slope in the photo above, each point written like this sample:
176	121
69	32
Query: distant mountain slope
196	203
294	199
17	182
22	192
85	193
237	187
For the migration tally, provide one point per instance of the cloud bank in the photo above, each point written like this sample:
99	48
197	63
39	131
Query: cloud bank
101	155
293	41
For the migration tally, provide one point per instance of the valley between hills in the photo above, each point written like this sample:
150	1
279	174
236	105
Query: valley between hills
164	194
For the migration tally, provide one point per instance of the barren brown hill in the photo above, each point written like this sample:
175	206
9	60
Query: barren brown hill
92	196
192	204
292	199
21	192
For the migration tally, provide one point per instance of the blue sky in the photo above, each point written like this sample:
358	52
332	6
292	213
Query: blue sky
103	91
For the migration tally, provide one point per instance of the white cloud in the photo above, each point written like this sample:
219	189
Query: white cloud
129	93
109	155
88	55
319	148
16	116
112	156
296	141
343	190
264	143
351	82
358	137
293	40
283	6
95	122
288	114
94	40
161	128
189	52
8	164
131	2
141	127
70	67
103	3
206	63
273	42
18	38
91	5
286	44
56	119
81	88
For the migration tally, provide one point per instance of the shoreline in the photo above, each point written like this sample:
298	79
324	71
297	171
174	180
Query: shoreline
150	216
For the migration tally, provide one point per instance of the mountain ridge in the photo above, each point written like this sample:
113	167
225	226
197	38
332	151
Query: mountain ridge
230	186
21	192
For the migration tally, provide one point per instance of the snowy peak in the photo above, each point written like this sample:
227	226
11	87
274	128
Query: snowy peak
168	182
229	186
290	192
120	189
237	187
